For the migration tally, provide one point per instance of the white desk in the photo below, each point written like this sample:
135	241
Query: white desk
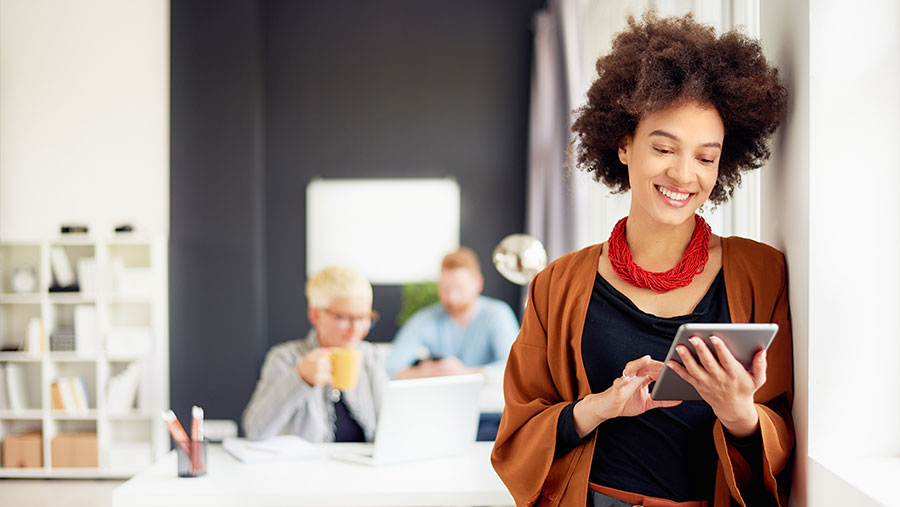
463	480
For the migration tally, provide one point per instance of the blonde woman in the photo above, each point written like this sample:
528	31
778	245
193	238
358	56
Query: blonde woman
294	393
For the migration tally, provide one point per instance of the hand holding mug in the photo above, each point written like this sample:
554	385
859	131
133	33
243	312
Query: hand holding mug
315	367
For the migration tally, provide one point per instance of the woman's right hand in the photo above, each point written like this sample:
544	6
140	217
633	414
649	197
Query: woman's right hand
315	367
627	397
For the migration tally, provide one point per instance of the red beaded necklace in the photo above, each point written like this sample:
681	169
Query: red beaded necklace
691	264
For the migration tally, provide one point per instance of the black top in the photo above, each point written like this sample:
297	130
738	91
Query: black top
665	452
346	429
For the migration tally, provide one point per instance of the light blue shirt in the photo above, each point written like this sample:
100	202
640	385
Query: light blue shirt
485	341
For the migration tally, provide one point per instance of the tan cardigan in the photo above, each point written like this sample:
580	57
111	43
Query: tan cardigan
545	372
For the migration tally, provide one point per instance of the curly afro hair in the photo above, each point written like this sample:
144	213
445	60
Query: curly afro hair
658	63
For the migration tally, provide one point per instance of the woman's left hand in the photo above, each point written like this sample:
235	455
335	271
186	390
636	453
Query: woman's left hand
724	383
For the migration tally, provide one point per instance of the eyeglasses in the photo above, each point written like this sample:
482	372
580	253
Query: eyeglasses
345	322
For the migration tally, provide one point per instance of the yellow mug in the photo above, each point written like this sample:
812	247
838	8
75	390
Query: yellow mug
344	368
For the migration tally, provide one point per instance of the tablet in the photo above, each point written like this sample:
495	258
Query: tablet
743	340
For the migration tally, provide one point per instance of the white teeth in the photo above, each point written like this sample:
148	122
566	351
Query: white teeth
677	196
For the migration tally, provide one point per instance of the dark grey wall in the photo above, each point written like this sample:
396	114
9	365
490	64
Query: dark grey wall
217	322
267	95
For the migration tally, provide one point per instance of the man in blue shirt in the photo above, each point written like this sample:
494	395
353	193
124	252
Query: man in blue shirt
464	333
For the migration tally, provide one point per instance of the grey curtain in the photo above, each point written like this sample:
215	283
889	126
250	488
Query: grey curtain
557	196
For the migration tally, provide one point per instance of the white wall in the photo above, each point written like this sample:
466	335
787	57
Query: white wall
84	115
829	202
784	200
854	229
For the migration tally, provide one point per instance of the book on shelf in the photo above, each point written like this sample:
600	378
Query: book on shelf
81	393
122	389
61	268
16	386
4	397
34	336
70	394
67	393
56	399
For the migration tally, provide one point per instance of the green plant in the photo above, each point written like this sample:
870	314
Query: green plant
415	296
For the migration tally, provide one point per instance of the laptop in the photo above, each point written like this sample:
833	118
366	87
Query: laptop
423	418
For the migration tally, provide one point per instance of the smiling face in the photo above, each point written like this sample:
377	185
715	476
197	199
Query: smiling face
673	162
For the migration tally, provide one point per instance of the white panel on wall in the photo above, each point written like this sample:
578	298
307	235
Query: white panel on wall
84	115
394	231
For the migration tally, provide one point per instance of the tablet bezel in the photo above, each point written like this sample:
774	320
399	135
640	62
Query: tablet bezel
743	340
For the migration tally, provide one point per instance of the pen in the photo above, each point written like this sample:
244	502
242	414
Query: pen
196	424
197	465
176	430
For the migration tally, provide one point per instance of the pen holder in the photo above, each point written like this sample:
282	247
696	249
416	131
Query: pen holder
195	464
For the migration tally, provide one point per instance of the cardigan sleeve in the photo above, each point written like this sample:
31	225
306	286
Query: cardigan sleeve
523	453
279	394
773	404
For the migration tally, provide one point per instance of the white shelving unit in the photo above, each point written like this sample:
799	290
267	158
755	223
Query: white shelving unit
129	295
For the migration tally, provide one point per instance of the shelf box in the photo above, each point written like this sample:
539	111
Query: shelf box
74	450
23	450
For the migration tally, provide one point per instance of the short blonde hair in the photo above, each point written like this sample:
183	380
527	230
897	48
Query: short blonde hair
465	258
335	282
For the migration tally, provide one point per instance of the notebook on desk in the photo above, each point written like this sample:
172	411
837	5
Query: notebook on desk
423	419
279	448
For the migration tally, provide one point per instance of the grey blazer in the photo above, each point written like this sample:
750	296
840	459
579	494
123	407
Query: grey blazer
283	403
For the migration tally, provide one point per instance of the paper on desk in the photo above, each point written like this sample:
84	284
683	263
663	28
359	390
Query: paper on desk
280	448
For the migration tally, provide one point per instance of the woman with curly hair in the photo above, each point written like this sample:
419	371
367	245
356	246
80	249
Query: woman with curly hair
675	115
